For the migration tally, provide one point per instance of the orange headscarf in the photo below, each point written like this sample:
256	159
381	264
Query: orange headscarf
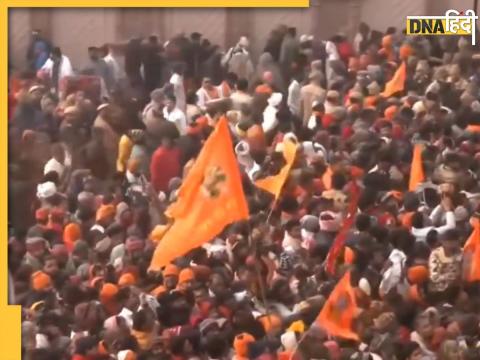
104	212
405	52
417	274
387	47
241	343
107	297
41	281
71	233
263	89
390	112
126	279
270	323
186	275
159	290
171	270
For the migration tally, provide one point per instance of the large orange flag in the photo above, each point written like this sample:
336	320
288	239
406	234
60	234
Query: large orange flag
417	175
274	184
339	311
471	251
210	198
397	83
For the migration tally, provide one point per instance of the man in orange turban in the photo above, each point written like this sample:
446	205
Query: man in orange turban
108	298
387	48
170	277
41	281
105	214
417	274
241	346
126	280
186	279
71	233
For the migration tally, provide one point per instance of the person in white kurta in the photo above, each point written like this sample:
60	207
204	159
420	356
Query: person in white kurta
178	88
114	66
64	68
172	113
207	93
294	98
270	120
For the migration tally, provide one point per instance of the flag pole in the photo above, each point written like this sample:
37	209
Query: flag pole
263	293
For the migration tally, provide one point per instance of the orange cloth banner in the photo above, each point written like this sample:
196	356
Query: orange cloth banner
274	184
339	311
210	198
397	83
417	175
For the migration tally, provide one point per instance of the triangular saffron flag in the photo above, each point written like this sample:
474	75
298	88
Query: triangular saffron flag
338	313
397	83
417	175
210	198
274	184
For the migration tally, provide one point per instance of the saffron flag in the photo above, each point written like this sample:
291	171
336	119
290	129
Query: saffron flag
471	251
339	311
210	198
339	241
274	184
417	175
188	190
397	83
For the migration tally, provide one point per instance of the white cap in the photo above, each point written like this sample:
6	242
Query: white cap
46	190
419	107
364	285
289	340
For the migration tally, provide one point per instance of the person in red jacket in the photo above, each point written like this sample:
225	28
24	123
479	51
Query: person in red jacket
345	49
165	164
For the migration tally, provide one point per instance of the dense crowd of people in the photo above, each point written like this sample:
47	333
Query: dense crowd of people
369	250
